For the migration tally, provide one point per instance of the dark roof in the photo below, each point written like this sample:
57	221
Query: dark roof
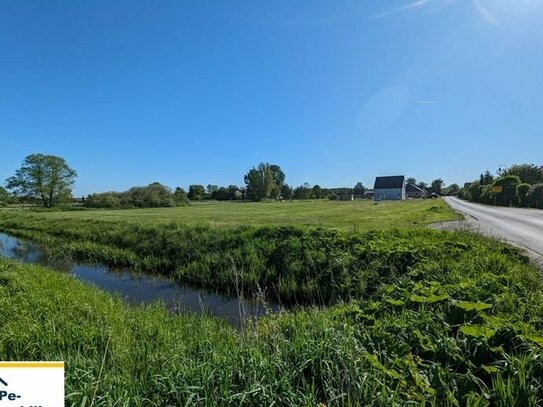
397	181
413	188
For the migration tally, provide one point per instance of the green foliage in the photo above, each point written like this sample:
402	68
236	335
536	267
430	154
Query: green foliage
528	173
317	192
359	189
535	196
451	190
196	192
303	192
522	194
45	177
519	184
154	195
4	195
264	181
230	193
180	197
286	191
109	200
509	185
443	319
486	179
436	186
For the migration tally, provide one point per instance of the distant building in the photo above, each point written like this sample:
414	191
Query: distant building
369	193
389	188
413	191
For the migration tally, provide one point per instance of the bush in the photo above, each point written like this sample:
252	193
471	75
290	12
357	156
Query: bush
154	195
522	194
509	185
535	196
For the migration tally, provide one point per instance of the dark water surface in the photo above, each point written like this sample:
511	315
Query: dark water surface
137	287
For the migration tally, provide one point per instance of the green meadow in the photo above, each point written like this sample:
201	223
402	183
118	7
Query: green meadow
380	310
360	214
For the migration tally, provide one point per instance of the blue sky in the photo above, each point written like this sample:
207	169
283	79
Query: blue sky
131	92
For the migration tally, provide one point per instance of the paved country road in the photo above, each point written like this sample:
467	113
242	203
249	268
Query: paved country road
520	226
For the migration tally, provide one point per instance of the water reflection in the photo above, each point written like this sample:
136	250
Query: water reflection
137	287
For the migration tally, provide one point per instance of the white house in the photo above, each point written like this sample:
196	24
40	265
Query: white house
389	188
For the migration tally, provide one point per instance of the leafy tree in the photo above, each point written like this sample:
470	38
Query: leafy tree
411	181
452	189
509	189
522	194
221	194
111	200
286	191
46	177
180	197
303	192
154	195
211	191
196	192
437	186
528	173
317	192
234	192
278	175
359	189
486	179
264	181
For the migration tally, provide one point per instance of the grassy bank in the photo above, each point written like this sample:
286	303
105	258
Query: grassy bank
362	215
460	329
288	264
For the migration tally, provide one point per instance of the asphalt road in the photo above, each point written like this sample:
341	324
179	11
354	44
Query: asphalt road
523	227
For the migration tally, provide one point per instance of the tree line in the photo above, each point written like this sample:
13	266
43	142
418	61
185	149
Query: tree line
48	180
520	185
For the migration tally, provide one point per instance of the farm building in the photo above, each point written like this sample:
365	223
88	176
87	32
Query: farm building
389	188
413	191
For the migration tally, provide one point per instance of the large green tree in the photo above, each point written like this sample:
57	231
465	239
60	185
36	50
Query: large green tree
437	186
359	189
264	181
46	177
528	173
196	192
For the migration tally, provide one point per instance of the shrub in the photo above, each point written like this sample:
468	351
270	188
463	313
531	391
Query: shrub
522	194
535	196
509	185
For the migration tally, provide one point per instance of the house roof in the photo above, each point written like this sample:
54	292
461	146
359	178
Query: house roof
413	188
397	181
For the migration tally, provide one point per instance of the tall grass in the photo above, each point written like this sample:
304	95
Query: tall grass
463	328
291	265
393	317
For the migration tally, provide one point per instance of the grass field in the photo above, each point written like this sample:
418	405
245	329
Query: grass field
363	215
392	314
265	247
458	328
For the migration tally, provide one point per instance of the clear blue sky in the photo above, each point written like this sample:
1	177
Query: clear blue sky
131	92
